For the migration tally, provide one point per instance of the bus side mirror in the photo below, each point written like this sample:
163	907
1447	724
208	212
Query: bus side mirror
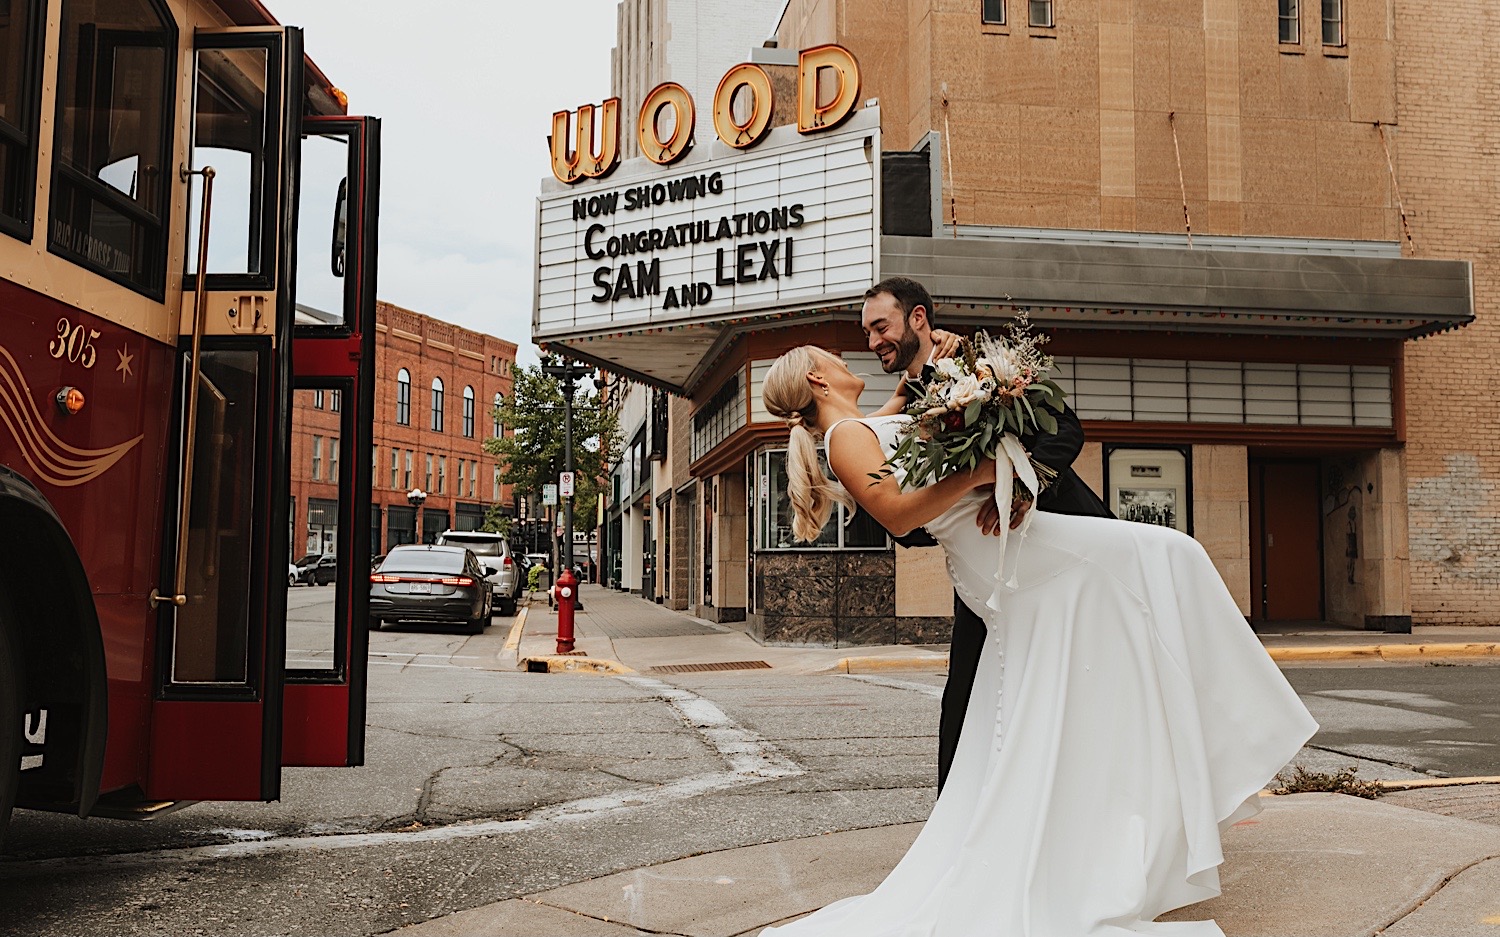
340	228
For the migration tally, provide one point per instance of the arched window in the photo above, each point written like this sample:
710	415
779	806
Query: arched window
437	405
403	397
469	412
499	427
112	157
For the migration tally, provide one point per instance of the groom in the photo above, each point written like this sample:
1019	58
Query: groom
897	320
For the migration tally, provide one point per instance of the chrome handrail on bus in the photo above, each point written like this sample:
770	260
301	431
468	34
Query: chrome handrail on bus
178	594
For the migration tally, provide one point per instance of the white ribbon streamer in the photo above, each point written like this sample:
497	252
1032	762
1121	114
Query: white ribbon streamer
1011	461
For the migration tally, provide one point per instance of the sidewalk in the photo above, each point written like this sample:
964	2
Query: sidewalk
1320	865
617	632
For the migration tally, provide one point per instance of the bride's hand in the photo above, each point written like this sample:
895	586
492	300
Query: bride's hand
944	344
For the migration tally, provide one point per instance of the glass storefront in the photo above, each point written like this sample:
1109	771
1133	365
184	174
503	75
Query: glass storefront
773	509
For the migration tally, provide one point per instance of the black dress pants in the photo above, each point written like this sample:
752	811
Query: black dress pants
963	664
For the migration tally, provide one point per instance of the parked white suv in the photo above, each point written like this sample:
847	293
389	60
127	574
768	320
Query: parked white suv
508	581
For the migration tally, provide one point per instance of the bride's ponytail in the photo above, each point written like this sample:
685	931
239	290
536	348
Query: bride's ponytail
787	394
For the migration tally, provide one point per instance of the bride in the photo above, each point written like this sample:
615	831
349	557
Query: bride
1123	714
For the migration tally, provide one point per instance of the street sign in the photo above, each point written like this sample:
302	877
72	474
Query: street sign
566	484
549	494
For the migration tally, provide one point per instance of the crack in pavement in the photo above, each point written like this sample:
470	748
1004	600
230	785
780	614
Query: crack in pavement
1379	761
925	689
424	735
1431	893
603	920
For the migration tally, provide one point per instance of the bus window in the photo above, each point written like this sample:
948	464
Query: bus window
231	134
20	29
211	637
112	170
314	641
322	219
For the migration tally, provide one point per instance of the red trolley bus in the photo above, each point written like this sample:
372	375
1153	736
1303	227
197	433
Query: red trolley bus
187	238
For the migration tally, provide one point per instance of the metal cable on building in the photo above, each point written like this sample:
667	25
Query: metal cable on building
1187	219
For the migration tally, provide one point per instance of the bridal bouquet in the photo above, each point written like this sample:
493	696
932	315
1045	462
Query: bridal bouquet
976	406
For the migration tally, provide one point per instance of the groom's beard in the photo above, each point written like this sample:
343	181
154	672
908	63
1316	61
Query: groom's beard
906	352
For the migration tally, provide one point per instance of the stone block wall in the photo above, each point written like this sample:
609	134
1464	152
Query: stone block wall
1221	514
837	599
1365	547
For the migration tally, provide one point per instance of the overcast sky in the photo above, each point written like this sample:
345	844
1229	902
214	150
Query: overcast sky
466	90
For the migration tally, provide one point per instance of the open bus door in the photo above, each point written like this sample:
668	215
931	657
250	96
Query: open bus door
333	362
223	693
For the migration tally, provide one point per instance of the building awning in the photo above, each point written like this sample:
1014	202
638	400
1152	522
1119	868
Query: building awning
1222	291
975	281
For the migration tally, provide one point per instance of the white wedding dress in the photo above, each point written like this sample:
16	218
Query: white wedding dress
1122	716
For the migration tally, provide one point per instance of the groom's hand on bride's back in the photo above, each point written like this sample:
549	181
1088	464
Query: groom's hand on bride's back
988	517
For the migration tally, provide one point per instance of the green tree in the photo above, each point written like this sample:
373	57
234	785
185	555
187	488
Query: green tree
532	454
495	522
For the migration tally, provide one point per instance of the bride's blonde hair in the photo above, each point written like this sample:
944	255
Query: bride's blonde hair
787	394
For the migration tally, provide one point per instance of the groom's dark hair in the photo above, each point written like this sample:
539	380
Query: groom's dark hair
908	293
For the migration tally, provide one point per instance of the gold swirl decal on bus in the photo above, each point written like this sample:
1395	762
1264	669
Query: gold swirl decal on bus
54	461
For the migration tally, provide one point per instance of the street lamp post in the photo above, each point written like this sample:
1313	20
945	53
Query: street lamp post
567	373
416	497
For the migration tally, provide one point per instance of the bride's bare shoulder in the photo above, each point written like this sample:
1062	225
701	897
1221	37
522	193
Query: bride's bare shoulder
860	421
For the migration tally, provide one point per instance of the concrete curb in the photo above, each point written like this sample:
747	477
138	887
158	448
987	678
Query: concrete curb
1392	652
513	640
926	662
1434	782
561	664
1383	652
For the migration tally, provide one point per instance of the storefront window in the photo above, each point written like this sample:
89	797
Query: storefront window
774	514
637	463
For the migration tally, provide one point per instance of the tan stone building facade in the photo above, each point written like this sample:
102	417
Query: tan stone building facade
1134	116
1257	233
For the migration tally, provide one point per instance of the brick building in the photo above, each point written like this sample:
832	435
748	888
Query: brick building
436	388
1261	236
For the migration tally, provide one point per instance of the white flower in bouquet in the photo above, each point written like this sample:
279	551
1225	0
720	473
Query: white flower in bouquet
966	390
948	369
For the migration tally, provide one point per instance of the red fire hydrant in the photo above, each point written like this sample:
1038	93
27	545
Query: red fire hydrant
567	594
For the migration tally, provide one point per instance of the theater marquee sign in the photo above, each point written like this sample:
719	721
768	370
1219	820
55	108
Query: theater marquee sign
755	219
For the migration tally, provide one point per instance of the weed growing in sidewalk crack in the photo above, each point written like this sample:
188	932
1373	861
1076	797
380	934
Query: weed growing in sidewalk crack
1302	781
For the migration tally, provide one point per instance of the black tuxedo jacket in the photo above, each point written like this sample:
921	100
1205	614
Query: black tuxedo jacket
1067	494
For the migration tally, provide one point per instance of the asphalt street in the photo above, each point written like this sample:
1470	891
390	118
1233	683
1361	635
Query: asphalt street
484	783
1437	720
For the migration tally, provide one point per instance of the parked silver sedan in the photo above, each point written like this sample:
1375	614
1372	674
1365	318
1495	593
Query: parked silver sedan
432	584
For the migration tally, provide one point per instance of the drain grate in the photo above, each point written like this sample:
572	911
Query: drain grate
726	665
